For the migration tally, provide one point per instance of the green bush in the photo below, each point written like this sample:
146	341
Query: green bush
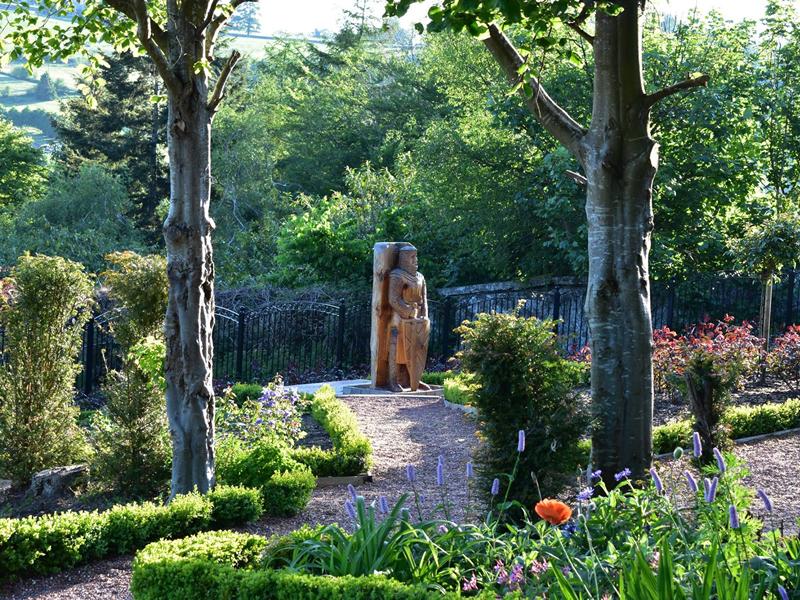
352	450
51	543
130	434
139	286
524	384
224	565
46	303
266	464
437	377
743	421
461	389
286	493
246	391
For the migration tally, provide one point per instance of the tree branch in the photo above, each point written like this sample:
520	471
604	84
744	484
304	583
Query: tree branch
144	31
686	84
216	22
581	32
219	88
552	117
126	8
576	177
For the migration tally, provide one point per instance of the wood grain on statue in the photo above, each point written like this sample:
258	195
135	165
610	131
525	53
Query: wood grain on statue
384	259
415	333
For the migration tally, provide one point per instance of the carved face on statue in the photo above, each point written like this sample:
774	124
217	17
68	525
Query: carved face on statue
407	259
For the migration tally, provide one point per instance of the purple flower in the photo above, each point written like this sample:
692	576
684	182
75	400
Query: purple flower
259	421
517	576
471	585
440	474
442	529
502	574
440	460
782	592
711	488
656	480
624	474
352	491
765	499
691	481
495	486
470	471
521	441
697	445
351	509
383	505
585	494
539	567
720	460
411	473
733	517
595	476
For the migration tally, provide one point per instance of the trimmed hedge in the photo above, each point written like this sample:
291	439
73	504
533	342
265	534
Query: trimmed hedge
437	377
225	565
51	543
246	391
269	466
352	450
744	421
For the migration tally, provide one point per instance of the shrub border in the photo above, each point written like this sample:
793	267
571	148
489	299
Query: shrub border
52	543
351	455
203	567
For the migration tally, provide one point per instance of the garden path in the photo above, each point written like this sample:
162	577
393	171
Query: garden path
402	431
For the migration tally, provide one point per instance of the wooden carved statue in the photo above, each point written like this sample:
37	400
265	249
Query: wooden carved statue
400	324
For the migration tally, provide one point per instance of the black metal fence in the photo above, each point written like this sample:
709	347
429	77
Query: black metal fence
314	341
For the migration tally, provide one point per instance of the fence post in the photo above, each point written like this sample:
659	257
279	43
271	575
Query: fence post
790	298
240	345
340	334
89	362
556	309
447	325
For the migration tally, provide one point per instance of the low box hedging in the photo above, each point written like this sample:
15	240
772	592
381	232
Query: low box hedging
744	421
225	565
437	377
51	543
352	450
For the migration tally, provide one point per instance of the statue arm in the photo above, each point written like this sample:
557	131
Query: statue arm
396	301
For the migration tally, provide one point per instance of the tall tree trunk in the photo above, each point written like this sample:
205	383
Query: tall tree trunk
190	313
620	159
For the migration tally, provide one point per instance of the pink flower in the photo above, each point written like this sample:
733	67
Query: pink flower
470	585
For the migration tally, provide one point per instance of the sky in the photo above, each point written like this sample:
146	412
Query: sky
305	16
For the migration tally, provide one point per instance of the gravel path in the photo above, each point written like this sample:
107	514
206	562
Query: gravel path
402	431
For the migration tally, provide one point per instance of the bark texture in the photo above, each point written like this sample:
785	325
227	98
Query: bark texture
619	158
189	321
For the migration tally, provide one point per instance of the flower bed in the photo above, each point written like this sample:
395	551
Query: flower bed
47	544
674	537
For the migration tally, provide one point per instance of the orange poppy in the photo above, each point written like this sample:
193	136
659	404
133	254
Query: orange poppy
553	511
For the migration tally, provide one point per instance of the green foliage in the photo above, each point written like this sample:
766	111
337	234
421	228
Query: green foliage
122	130
524	384
741	421
139	287
83	217
461	389
352	450
246	391
43	308
130	434
22	168
224	565
766	249
51	543
437	377
234	505
273	412
266	464
634	541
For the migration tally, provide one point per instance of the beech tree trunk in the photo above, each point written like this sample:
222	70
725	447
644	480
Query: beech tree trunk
620	160
189	321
